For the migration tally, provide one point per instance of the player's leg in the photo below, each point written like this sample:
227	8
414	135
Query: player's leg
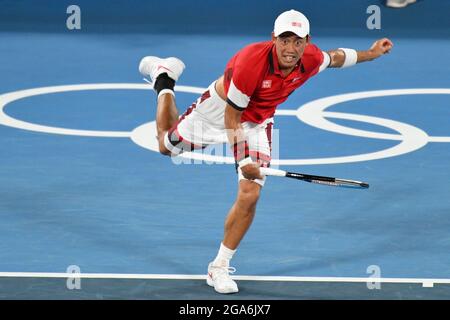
166	117
242	212
164	73
237	223
241	215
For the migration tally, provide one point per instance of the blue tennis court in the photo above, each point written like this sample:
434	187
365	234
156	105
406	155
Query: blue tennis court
81	184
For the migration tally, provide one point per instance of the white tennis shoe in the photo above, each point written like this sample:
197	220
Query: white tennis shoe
219	278
399	3
152	67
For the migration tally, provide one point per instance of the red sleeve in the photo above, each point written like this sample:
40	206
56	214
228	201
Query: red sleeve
244	73
312	59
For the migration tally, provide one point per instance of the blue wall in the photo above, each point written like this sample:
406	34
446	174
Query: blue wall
425	18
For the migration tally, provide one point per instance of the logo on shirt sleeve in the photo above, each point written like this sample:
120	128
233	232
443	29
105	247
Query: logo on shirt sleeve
266	84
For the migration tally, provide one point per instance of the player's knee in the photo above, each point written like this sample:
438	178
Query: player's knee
248	193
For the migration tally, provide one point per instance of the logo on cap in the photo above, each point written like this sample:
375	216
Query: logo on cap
296	24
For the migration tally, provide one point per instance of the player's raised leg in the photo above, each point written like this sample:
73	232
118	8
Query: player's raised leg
163	73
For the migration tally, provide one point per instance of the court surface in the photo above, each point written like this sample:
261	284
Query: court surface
81	186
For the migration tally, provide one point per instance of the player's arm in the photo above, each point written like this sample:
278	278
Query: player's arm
237	140
343	57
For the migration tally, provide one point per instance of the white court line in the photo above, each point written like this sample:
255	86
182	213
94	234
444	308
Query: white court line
286	112
426	282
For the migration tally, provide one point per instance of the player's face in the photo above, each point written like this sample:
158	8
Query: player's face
290	48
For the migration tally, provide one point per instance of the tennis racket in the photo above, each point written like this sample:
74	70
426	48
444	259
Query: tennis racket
329	181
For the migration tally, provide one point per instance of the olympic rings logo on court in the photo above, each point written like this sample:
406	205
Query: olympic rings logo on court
313	113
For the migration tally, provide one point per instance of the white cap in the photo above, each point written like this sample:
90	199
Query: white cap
292	21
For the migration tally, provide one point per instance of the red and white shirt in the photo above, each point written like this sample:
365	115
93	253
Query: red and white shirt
255	85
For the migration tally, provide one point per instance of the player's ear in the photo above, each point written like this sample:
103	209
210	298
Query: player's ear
308	38
273	37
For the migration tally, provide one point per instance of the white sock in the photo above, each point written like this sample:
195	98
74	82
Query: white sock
224	256
164	91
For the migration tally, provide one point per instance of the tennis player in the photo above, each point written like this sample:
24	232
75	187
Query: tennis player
238	108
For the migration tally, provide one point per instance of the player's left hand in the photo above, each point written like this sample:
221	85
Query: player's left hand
381	47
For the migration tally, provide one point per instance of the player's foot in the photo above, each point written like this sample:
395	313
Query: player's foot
152	67
398	3
219	278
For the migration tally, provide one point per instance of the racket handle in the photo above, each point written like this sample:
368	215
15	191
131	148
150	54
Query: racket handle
272	172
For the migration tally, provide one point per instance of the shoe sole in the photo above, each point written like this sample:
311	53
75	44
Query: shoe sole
155	59
210	283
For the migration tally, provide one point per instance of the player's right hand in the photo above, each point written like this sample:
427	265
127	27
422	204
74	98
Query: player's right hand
251	171
381	47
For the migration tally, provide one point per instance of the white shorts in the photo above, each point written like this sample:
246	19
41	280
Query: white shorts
203	124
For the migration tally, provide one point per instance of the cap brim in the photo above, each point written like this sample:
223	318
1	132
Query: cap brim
300	33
